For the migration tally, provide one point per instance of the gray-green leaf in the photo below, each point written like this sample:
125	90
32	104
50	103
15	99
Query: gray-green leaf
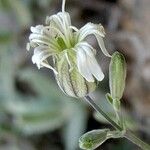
91	140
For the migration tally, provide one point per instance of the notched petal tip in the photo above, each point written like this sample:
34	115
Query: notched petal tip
102	45
47	20
87	63
90	79
99	33
37	29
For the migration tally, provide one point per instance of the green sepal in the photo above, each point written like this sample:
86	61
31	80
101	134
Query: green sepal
109	98
116	104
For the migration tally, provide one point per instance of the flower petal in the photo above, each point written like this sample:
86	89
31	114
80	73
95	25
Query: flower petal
95	68
61	21
88	48
91	28
83	65
65	17
85	53
41	53
102	46
97	30
40	39
37	29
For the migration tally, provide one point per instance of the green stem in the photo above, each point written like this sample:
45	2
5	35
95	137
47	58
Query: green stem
98	109
128	135
131	137
119	118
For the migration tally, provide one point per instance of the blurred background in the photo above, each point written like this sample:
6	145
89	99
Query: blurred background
34	113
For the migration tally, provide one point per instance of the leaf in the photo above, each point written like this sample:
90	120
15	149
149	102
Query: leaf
41	83
46	111
75	126
39	124
91	140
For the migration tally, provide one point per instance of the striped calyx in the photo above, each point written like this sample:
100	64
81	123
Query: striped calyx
70	81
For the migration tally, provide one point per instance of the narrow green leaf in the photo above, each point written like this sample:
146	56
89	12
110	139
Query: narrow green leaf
75	126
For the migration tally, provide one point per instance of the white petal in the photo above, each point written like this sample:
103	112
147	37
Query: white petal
50	44
95	69
74	28
61	21
91	65
88	48
39	39
99	33
45	64
49	32
41	53
37	59
38	36
90	28
39	42
102	46
83	65
65	17
37	29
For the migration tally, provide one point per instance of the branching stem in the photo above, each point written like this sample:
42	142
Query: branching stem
128	134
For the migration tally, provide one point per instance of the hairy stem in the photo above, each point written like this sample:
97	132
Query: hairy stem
98	109
128	135
134	139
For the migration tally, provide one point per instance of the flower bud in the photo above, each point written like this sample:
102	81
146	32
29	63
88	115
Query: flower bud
93	139
117	76
70	80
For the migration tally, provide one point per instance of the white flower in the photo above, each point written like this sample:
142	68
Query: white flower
59	38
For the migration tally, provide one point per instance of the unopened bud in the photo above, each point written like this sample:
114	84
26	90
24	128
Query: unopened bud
117	75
